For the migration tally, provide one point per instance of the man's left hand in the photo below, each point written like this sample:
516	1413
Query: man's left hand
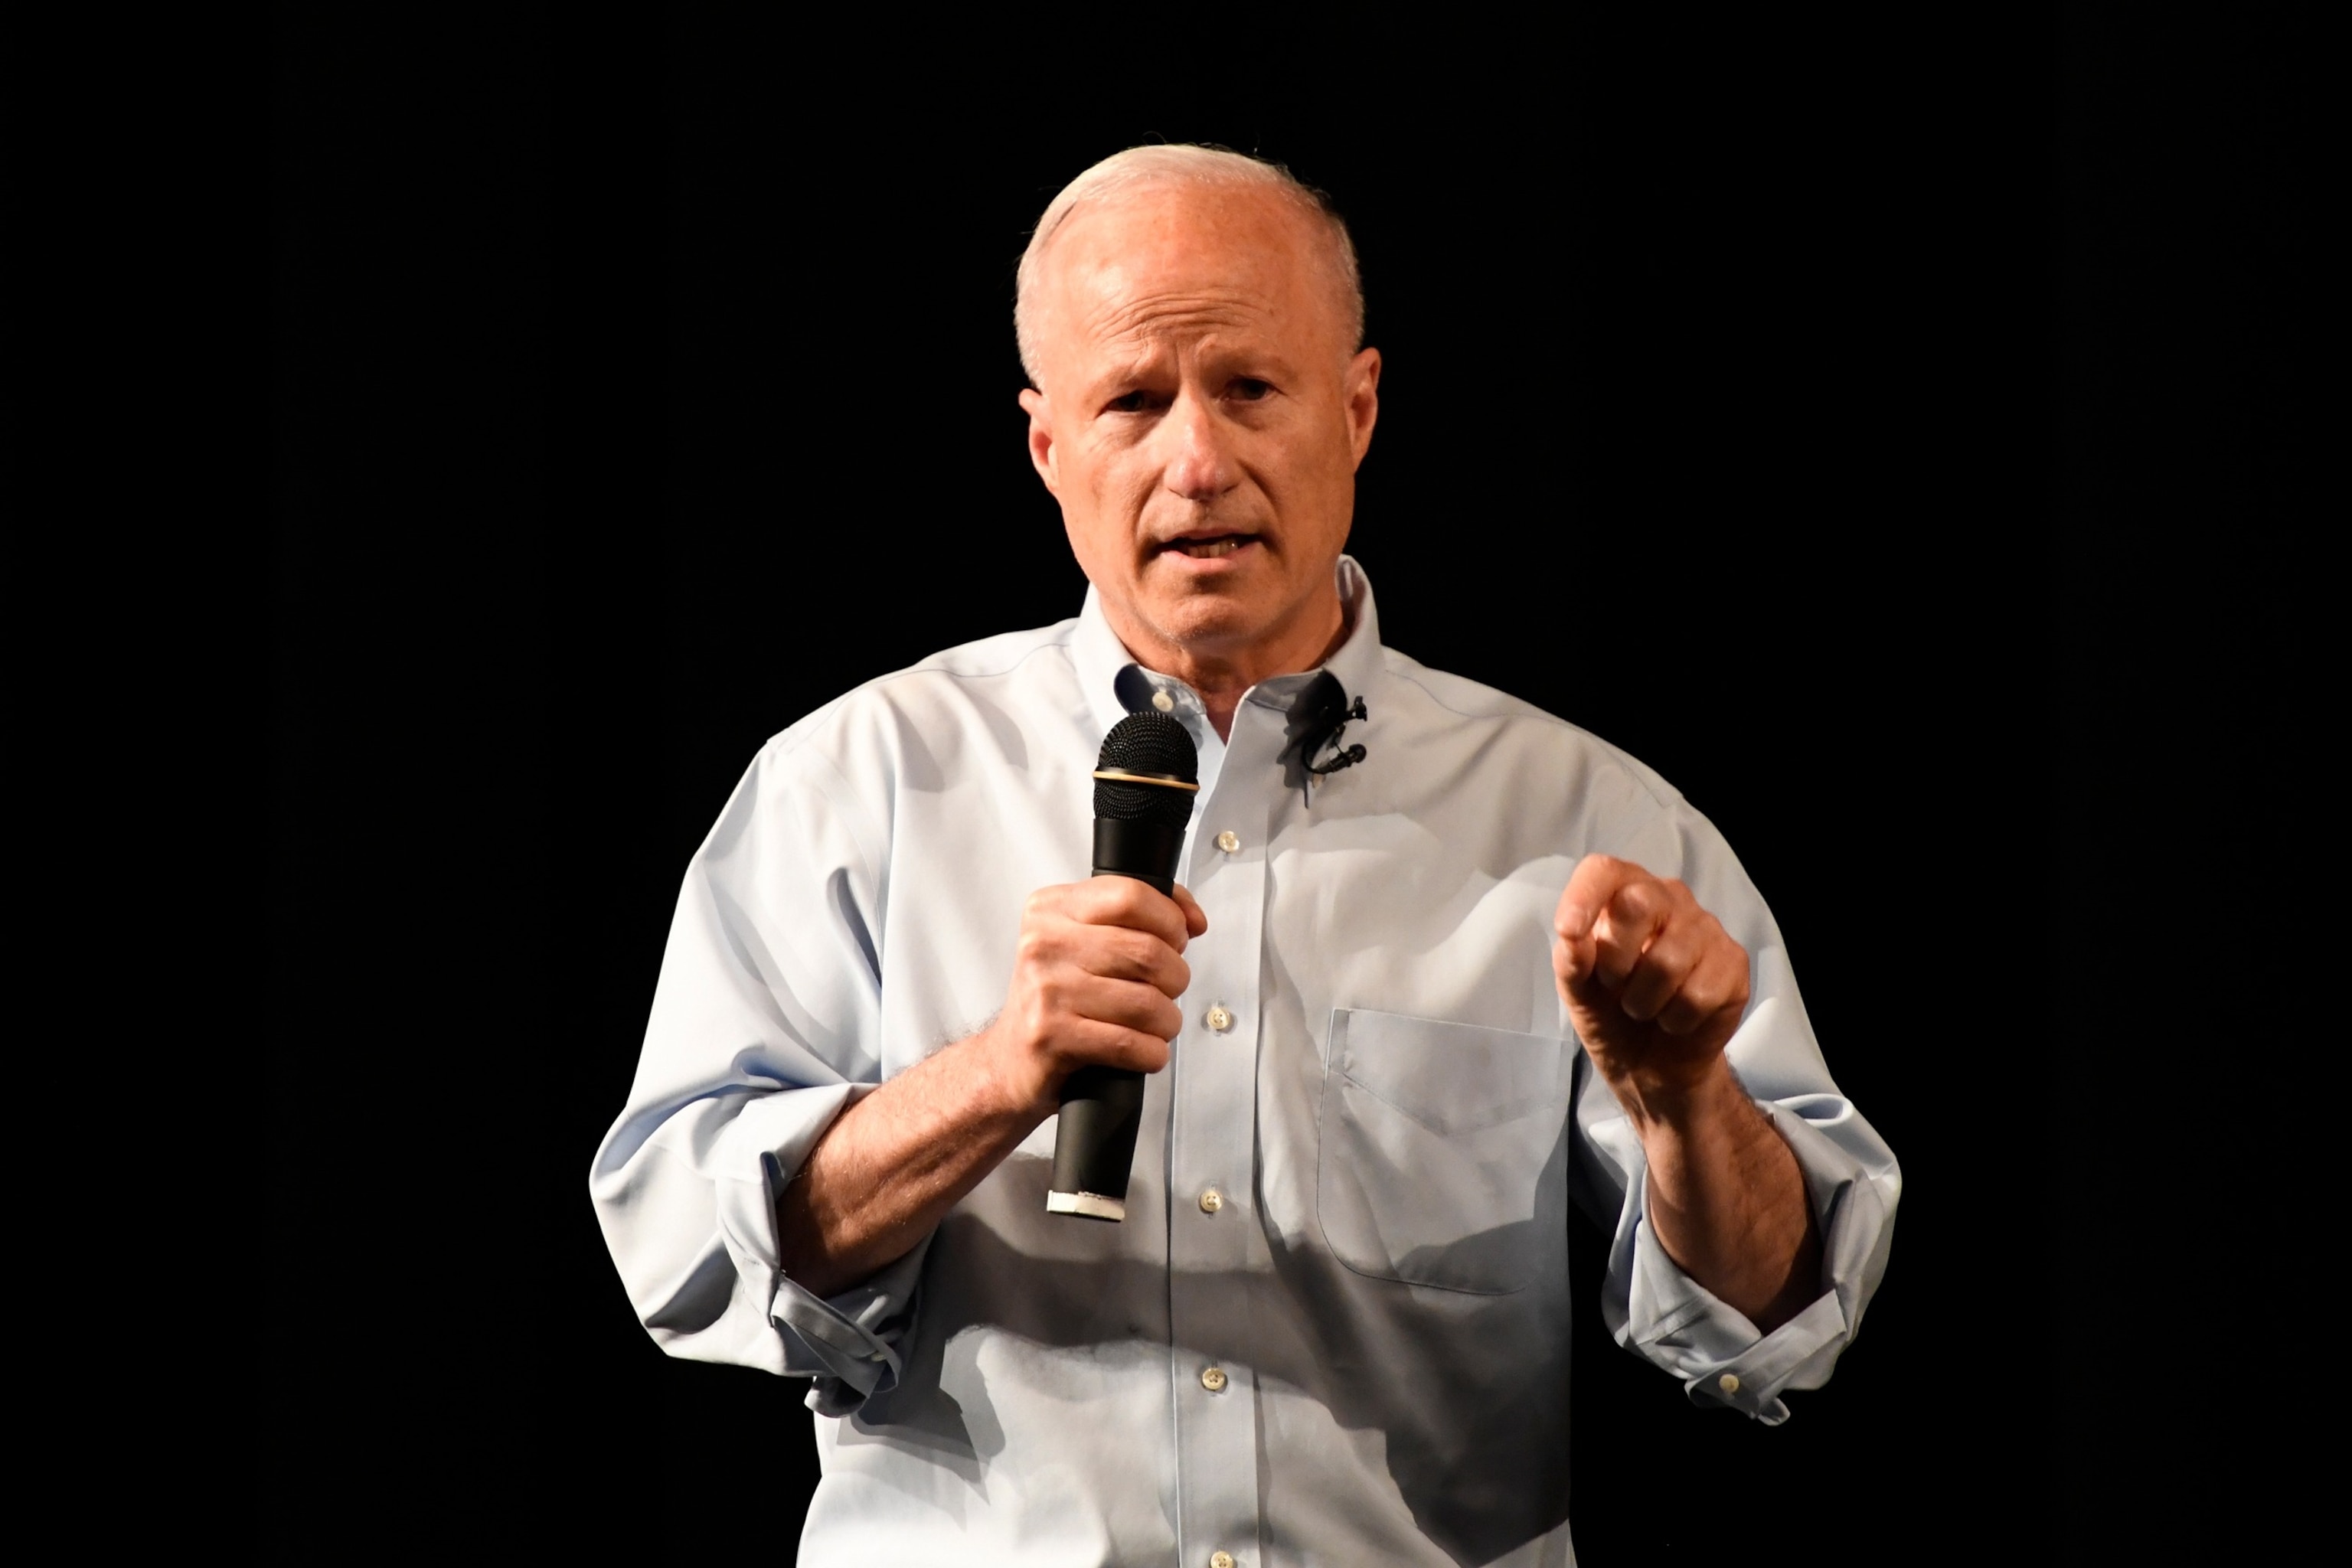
1656	987
1653	983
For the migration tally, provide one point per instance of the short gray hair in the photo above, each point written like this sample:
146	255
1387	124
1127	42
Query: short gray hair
1141	167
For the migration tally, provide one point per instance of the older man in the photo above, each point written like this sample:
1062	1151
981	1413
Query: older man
1334	1324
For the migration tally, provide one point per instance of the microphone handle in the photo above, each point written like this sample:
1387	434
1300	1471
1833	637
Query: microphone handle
1102	1107
1143	850
1094	1147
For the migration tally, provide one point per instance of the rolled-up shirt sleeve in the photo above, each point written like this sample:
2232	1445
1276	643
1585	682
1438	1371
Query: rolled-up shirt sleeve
1852	1180
764	1030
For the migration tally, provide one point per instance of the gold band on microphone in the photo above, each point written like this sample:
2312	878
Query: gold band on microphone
1165	781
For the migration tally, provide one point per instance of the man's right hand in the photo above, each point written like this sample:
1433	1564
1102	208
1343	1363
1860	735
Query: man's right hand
1096	975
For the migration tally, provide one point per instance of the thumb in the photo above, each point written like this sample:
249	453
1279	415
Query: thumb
1572	959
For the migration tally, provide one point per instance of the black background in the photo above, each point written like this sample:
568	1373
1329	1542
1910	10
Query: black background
1873	424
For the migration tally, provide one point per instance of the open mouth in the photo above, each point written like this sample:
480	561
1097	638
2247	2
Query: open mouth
1214	547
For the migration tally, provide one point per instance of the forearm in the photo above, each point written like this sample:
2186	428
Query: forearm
1726	1198
1095	971
891	1166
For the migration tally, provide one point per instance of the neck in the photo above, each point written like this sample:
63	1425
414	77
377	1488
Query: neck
1223	676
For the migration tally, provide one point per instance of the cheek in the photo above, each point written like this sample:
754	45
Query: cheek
1100	497
1316	487
1118	486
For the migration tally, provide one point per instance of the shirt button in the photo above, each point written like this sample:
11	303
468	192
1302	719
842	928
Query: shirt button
1212	1201
1161	700
1229	841
1214	1380
1221	1560
1220	1018
1728	1383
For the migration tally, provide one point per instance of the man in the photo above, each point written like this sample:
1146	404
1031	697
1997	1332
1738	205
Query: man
1333	1326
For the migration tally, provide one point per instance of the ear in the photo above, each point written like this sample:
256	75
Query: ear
1042	455
1361	392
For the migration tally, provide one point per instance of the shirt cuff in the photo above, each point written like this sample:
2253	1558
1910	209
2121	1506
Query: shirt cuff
846	1343
1655	1309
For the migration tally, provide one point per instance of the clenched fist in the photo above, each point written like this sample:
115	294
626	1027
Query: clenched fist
1653	983
1095	981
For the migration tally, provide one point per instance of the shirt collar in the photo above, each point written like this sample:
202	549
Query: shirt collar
1115	684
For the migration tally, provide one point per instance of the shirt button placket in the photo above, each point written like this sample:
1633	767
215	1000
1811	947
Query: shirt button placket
1213	1132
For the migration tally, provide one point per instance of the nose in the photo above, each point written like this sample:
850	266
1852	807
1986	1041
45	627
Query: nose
1199	468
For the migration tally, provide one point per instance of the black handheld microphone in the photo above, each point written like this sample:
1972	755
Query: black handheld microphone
1144	784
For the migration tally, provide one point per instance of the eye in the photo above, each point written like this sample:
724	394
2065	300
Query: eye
1135	402
1249	389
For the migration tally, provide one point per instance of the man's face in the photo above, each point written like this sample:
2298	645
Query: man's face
1199	419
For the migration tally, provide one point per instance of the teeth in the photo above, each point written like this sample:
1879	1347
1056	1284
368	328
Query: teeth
1210	549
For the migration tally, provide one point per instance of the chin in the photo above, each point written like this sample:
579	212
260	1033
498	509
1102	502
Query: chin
1213	622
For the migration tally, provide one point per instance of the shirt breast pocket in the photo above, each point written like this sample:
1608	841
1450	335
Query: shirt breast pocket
1438	1164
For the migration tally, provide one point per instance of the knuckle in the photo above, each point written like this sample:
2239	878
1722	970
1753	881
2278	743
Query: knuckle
1703	997
1670	946
1633	901
1716	990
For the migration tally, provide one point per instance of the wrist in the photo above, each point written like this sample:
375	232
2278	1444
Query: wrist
1022	1082
1679	1097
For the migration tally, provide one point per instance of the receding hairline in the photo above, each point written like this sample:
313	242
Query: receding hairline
1181	166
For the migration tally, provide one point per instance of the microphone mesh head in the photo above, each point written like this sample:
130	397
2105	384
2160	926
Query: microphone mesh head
1148	743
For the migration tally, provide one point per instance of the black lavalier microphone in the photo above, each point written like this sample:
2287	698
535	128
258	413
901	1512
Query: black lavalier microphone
1144	784
1319	717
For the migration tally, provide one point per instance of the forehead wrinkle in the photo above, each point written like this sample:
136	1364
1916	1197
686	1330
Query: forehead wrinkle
1120	322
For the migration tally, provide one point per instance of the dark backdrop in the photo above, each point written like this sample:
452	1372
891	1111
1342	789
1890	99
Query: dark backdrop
1776	400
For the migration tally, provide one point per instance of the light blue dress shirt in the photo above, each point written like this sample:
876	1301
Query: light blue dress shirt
1334	1327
